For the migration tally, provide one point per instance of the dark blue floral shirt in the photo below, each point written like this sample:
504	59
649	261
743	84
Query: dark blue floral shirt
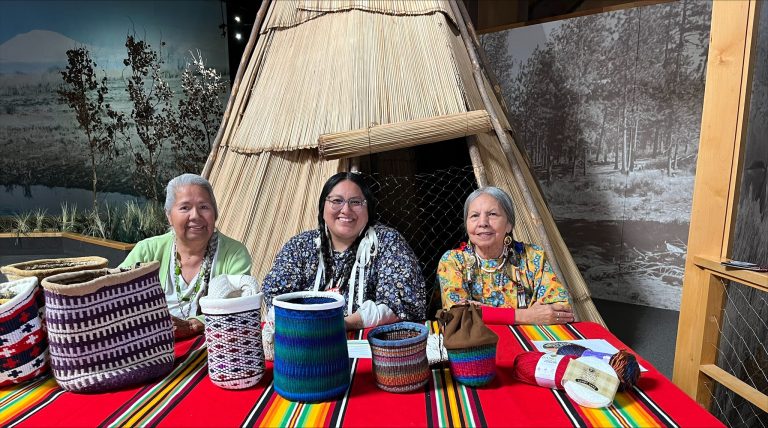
393	278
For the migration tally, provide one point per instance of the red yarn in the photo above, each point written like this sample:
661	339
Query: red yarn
524	368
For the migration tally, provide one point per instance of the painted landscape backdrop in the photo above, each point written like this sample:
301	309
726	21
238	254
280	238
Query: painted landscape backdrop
45	159
608	107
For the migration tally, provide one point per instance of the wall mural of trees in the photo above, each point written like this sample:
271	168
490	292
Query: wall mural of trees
608	108
105	103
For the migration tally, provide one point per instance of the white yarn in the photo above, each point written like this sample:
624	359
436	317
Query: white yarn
436	352
229	286
268	335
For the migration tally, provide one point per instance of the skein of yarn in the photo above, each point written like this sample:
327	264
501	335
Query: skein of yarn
624	363
541	368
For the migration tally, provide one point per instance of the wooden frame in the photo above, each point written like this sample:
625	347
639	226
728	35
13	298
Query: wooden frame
586	12
715	197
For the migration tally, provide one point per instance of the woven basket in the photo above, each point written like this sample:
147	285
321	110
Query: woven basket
233	335
108	329
473	366
311	357
399	353
23	344
47	267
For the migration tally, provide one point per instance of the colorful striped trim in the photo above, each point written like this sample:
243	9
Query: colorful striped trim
153	402
449	403
630	408
272	410
17	404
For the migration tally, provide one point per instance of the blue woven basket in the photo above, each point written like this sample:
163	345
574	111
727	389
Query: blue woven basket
311	357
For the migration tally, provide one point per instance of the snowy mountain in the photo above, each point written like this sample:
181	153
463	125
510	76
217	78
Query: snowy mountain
35	52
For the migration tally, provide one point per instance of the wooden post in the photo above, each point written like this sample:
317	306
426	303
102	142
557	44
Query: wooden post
716	188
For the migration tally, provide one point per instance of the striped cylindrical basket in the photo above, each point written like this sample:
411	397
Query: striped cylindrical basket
233	336
474	366
108	329
399	353
23	344
311	357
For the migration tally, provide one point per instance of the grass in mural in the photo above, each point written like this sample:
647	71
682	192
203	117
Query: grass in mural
130	222
646	195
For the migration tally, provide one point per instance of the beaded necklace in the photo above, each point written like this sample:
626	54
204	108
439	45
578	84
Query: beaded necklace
474	258
185	301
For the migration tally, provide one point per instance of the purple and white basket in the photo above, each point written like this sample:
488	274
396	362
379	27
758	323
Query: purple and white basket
233	336
108	329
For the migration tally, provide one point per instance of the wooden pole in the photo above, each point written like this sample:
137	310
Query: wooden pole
477	161
532	209
244	60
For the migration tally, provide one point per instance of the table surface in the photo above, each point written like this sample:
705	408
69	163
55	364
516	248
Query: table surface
186	397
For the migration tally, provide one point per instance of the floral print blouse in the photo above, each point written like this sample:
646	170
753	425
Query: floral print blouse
392	278
461	279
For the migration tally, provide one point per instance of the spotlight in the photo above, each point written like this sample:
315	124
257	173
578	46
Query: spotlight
237	18
238	36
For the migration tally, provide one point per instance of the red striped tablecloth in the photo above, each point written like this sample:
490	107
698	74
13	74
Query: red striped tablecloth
187	398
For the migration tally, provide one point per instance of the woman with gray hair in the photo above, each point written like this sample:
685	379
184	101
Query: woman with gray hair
192	252
512	281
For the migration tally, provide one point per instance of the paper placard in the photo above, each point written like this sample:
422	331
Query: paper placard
359	349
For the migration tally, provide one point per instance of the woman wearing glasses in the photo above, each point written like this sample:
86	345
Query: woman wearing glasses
349	253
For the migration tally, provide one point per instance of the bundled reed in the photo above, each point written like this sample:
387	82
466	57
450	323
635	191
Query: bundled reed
376	79
400	135
290	13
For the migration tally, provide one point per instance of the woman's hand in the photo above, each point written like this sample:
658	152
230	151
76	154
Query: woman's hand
183	329
542	313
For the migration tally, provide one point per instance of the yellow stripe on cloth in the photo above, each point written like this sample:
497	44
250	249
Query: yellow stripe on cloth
161	394
16	400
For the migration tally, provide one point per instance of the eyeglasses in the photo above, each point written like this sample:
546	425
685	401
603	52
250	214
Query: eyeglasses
356	204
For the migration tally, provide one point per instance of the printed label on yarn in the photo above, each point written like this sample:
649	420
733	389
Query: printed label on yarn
545	370
590	382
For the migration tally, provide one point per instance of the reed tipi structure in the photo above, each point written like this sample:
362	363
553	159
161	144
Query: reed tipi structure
323	83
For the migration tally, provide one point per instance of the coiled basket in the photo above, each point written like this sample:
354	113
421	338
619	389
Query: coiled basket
47	267
311	358
399	356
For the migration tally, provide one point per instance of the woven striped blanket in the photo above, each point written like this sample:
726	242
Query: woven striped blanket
186	397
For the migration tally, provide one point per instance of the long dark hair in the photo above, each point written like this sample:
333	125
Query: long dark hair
325	248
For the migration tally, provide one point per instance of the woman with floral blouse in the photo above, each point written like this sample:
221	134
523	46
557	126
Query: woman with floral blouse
370	264
512	281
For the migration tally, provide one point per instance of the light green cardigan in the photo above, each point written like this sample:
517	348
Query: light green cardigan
232	258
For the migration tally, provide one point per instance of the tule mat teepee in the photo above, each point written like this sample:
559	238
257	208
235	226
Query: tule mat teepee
322	82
